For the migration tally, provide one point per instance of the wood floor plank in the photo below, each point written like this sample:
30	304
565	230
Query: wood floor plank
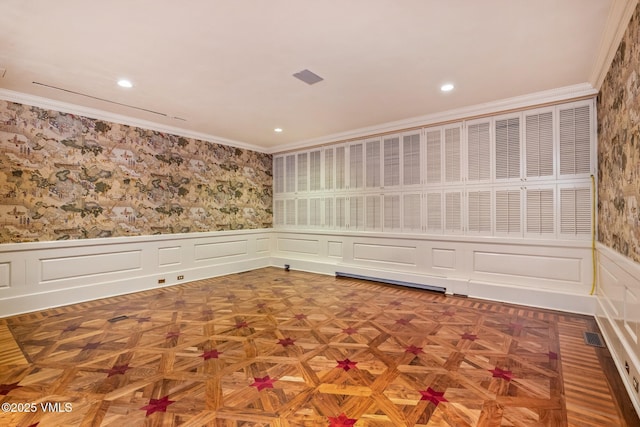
275	348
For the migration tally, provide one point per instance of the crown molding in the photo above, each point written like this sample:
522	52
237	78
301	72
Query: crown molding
557	95
617	22
64	107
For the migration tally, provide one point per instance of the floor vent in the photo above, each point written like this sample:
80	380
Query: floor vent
391	282
593	339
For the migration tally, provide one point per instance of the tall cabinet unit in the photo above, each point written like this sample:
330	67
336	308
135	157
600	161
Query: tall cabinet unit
519	175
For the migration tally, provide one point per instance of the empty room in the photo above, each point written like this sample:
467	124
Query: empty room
339	213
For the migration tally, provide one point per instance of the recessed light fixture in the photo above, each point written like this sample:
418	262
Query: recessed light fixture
446	87
278	130
125	83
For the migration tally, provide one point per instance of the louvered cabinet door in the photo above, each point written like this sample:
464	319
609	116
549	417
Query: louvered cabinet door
302	166
329	213
538	145
412	212
575	204
391	213
434	212
575	140
411	160
478	202
328	168
341	219
278	213
453	201
508	211
340	168
302	214
540	207
391	163
315	170
478	151
356	166
290	212
278	175
453	155
290	173
372	164
356	213
507	152
433	144
373	212
315	212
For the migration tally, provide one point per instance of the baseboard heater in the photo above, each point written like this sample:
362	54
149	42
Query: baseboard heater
391	282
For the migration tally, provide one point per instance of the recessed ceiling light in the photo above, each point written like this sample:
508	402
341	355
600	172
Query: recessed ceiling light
125	83
278	130
446	87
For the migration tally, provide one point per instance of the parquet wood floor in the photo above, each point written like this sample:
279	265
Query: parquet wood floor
275	348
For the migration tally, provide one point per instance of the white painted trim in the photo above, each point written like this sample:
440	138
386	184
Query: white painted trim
65	107
566	93
617	22
621	279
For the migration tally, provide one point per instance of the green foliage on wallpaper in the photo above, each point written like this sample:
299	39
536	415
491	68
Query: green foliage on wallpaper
619	147
68	177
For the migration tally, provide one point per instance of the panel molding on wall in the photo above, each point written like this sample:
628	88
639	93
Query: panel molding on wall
471	266
35	276
618	313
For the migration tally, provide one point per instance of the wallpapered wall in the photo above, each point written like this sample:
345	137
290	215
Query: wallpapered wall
619	147
69	177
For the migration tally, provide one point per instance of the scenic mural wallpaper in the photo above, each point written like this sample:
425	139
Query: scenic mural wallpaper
64	176
619	147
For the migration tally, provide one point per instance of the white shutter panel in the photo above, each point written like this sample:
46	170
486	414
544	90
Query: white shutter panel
434	157
290	172
434	212
452	151
453	211
356	212
341	171
479	211
341	212
315	163
508	148
539	145
278	175
328	169
478	152
303	174
372	165
540	211
290	212
356	166
303	212
329	212
411	212
411	159
391	212
575	141
278	213
373	213
315	212
508	212
575	211
392	161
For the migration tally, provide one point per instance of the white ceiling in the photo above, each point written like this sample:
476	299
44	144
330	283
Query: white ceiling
225	66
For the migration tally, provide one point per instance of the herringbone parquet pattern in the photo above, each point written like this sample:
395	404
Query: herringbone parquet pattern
275	348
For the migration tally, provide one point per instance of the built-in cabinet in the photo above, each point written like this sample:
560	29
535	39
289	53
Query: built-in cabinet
522	174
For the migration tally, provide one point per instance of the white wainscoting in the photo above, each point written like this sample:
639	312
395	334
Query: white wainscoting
549	274
35	276
618	313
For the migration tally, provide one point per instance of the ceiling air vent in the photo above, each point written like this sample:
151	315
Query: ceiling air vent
308	77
